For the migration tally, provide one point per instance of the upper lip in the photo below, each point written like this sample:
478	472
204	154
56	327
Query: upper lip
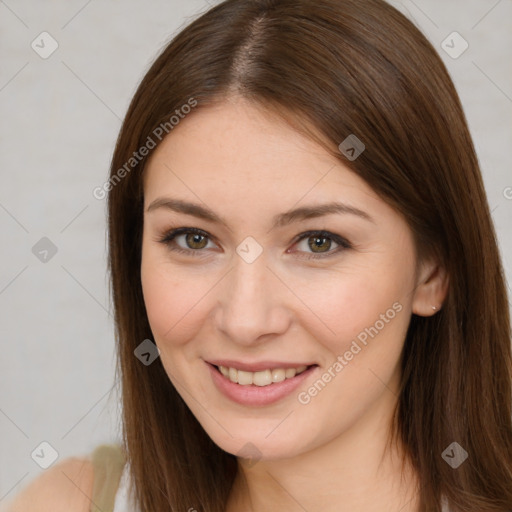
256	366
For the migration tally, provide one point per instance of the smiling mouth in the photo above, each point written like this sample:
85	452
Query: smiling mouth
262	378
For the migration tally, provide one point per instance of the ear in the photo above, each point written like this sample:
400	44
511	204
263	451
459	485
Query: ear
431	289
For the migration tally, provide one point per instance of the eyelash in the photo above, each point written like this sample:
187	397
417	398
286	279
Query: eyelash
169	241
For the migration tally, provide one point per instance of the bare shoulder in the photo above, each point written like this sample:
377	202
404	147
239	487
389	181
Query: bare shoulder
64	487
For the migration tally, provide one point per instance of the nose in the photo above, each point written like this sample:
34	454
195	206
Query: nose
252	303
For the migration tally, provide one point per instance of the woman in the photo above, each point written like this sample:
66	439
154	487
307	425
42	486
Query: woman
298	222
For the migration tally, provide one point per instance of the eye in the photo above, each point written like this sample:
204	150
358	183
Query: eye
194	240
320	243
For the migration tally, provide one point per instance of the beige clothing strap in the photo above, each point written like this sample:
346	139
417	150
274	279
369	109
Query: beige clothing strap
108	462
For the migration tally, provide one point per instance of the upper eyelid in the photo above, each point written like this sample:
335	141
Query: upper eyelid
175	232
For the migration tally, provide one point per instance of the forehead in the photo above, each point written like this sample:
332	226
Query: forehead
237	147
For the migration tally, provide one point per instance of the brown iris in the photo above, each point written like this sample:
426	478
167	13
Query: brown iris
194	238
313	245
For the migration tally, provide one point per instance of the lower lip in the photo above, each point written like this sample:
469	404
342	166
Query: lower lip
258	395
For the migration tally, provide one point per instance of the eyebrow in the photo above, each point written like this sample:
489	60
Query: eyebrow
280	220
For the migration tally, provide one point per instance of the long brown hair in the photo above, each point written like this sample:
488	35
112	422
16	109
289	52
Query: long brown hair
332	68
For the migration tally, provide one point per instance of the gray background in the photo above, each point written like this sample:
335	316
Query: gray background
59	120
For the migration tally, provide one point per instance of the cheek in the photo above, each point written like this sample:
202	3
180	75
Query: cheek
176	300
335	306
350	303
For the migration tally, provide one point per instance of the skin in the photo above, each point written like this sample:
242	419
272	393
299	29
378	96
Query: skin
247	166
64	487
326	455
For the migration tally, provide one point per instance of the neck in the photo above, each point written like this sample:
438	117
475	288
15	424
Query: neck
357	471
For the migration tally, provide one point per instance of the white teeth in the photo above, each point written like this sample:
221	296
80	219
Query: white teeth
278	375
290	372
244	378
262	378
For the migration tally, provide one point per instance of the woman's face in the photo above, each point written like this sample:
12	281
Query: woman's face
260	289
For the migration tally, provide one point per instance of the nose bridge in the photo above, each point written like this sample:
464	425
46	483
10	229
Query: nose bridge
250	303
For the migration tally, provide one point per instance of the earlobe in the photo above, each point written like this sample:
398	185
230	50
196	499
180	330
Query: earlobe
431	290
